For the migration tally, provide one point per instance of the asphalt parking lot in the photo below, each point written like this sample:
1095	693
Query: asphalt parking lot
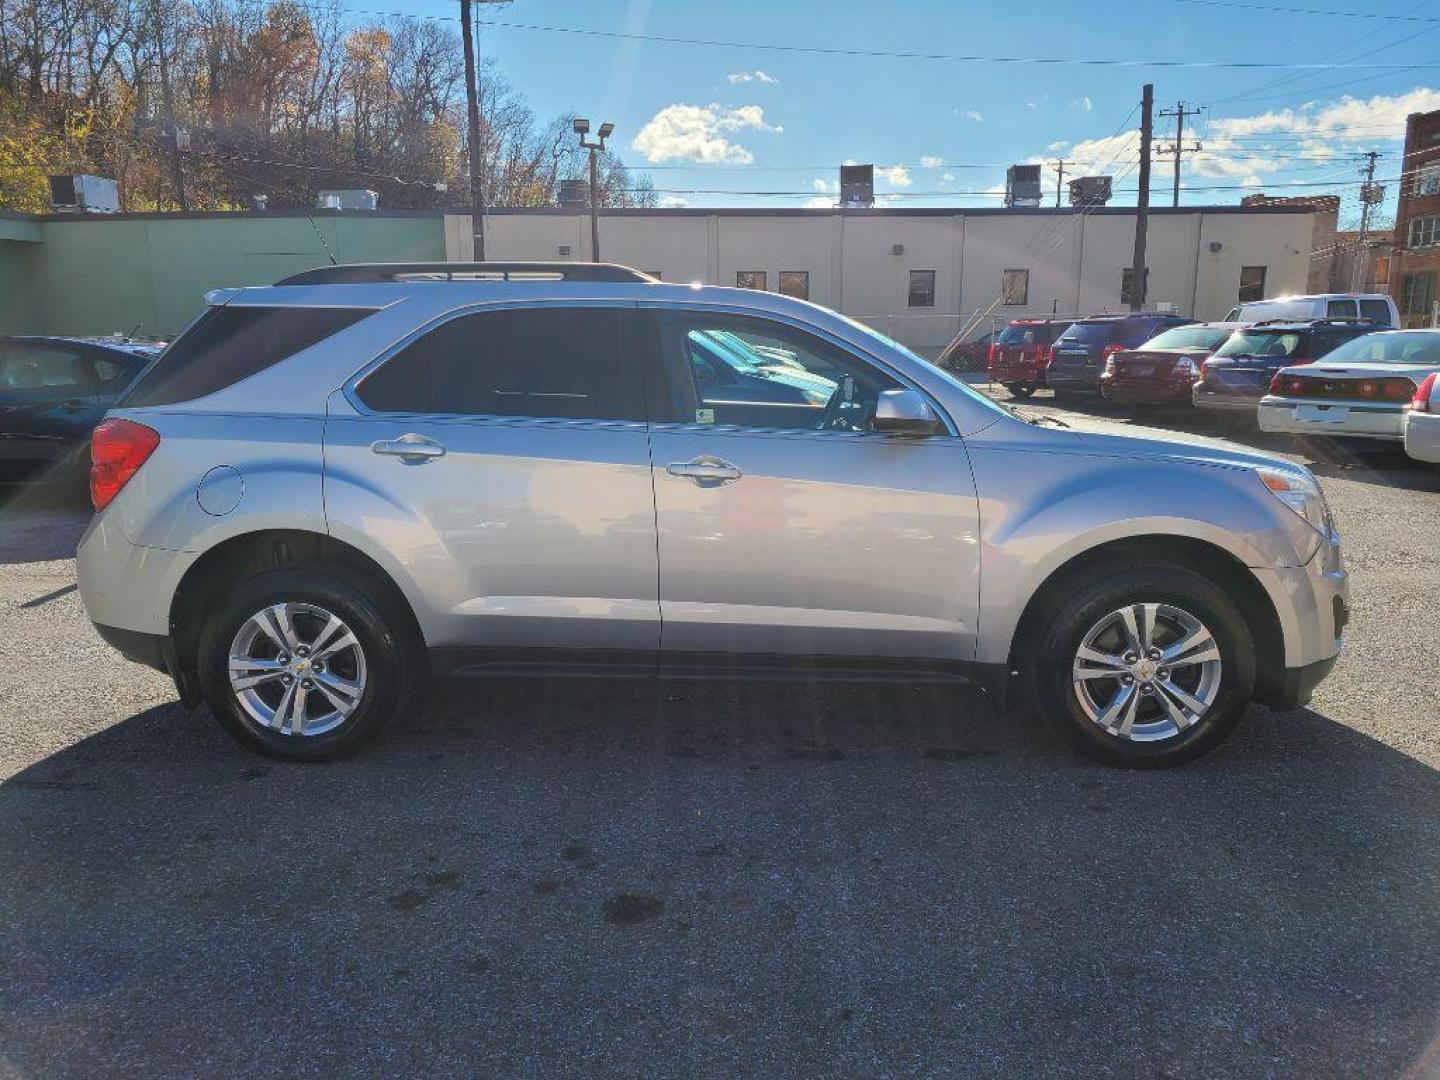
592	878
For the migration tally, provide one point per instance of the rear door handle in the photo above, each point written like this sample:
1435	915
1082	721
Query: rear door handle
706	471
410	446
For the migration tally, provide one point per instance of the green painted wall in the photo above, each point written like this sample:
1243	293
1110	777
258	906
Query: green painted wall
97	276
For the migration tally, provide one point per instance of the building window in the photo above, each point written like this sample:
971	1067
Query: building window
1425	231
1127	285
922	288
1015	288
1427	180
1252	284
1417	294
795	283
750	279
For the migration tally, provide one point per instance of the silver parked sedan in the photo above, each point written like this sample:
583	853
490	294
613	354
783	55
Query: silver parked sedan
329	489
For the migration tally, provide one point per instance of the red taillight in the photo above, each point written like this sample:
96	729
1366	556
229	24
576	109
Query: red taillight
1277	383
1397	389
990	355
1421	401
117	450
1287	385
1110	350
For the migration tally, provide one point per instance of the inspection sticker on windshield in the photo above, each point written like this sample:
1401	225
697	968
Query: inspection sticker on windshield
704	416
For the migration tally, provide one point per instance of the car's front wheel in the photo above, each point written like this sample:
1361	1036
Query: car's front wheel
1020	389
1143	666
301	665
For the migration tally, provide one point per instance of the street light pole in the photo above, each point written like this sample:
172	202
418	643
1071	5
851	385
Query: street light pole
582	128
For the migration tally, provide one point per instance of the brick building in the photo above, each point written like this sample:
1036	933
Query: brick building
1416	264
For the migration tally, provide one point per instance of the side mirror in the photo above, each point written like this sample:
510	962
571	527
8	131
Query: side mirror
905	412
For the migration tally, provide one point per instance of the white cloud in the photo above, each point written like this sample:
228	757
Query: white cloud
972	115
1058	144
674	201
824	186
699	133
947	178
930	161
820	202
757	75
1032	106
1082	103
898	175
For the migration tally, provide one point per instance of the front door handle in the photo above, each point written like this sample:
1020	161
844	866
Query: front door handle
411	447
705	470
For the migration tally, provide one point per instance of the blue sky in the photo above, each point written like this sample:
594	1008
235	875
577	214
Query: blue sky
703	119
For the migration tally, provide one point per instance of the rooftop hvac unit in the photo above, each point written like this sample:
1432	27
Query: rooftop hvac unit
574	194
80	193
1022	185
1090	191
348	199
857	185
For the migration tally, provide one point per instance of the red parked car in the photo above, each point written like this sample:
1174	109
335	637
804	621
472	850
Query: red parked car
1164	369
968	355
1021	354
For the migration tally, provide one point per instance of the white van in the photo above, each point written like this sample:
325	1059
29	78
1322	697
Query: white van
1377	307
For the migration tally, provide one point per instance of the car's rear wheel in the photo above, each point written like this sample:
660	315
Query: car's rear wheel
1143	666
301	665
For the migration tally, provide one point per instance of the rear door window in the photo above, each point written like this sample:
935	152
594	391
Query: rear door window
546	363
228	344
1377	311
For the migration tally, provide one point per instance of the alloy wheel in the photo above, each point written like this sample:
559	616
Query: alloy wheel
297	669
1147	672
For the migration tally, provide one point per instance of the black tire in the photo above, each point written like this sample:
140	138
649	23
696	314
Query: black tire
1020	389
390	656
1079	603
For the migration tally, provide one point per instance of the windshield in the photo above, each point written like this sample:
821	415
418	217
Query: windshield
1259	343
1402	347
1022	335
1188	337
1091	333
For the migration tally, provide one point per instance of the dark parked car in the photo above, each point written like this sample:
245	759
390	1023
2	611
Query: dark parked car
1021	354
1163	370
53	391
968	355
1079	354
1238	375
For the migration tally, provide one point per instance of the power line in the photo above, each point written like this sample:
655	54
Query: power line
883	54
1311	11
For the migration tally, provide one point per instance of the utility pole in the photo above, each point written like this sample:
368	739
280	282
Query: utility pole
1059	168
1142	209
1371	195
472	119
1180	112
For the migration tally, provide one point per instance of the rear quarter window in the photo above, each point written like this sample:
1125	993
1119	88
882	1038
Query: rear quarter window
228	344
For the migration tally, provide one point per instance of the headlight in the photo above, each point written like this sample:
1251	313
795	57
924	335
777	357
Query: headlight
1301	493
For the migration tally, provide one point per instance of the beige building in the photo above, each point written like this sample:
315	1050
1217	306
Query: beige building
922	274
918	274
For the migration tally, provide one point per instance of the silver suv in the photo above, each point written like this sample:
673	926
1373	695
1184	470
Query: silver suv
330	489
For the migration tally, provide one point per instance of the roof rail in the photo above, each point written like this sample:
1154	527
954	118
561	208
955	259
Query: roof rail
1350	321
360	273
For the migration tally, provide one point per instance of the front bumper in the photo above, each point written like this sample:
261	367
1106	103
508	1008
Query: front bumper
1300	416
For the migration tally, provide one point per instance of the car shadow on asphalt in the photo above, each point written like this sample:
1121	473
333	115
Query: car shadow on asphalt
718	878
40	523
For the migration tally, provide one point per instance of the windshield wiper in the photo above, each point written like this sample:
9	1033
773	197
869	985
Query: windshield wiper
1036	418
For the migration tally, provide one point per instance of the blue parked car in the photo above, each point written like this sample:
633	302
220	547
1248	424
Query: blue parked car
53	391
